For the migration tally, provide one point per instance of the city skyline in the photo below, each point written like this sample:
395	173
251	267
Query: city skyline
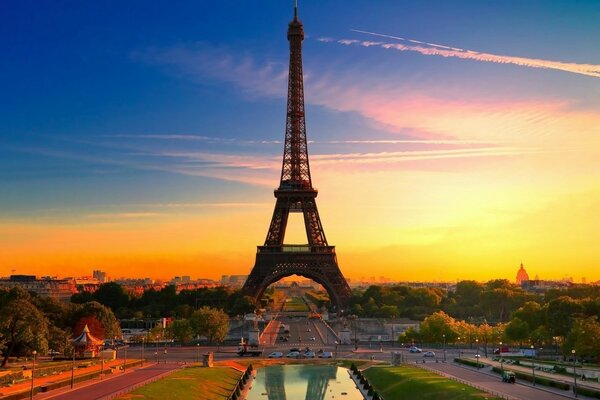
448	145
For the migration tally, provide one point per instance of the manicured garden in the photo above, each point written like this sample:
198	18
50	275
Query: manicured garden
190	383
406	382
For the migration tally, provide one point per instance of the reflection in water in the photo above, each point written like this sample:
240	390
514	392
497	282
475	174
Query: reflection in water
318	376
274	383
303	382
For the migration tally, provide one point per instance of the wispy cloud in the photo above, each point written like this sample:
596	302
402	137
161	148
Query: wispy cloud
125	215
432	49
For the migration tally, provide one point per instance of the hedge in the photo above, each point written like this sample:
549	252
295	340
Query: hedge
588	392
538	379
469	363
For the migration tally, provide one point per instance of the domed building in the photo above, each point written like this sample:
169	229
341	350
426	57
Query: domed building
522	275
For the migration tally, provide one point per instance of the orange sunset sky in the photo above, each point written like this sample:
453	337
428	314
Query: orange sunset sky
445	145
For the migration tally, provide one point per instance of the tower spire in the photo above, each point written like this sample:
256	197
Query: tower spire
316	259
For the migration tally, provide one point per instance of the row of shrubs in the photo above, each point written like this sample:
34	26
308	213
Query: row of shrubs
365	383
237	391
588	392
470	363
538	379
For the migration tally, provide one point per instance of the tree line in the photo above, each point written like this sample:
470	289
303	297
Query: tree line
492	312
29	322
166	302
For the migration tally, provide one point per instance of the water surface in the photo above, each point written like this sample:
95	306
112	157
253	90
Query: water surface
303	382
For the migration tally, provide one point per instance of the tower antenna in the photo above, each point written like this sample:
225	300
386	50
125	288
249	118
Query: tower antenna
296	9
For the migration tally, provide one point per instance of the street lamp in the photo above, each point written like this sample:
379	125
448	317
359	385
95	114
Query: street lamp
73	369
198	353
125	359
533	364
574	373
165	356
101	362
459	351
477	352
143	352
156	352
501	359
336	345
34	353
444	348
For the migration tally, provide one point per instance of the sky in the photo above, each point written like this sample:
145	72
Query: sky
448	140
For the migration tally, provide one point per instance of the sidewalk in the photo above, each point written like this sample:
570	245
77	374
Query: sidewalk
553	376
40	382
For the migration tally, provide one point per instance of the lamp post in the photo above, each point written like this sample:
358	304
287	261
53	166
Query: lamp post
156	352
533	364
477	352
444	348
165	355
102	363
336	345
143	351
574	373
501	359
198	353
459	352
34	353
73	369
125	359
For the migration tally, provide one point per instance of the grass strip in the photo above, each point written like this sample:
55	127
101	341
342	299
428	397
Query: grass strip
406	382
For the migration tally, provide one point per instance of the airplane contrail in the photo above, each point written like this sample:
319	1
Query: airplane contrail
433	49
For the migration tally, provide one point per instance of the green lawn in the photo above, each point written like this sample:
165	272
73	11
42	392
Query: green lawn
190	383
407	382
295	304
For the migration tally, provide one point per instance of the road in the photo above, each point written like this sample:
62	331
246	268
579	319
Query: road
494	383
100	389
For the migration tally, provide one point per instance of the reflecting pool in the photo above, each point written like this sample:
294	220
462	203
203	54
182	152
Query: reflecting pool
303	382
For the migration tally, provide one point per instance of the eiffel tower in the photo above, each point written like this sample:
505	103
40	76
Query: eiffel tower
315	260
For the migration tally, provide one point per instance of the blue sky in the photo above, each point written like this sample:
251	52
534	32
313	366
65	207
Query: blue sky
112	108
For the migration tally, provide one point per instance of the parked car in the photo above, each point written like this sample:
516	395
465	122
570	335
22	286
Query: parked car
309	354
312	338
276	354
429	354
326	354
415	349
293	354
295	349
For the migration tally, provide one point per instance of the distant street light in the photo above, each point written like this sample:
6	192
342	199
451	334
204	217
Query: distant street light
198	353
477	352
165	356
574	373
533	364
101	362
34	353
73	369
125	359
444	348
143	351
501	359
156	352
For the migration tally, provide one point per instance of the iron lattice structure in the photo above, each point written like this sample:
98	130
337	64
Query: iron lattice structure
315	260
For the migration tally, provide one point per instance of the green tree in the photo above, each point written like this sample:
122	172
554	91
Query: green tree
182	330
103	314
211	323
112	295
22	328
438	324
560	314
584	338
517	331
